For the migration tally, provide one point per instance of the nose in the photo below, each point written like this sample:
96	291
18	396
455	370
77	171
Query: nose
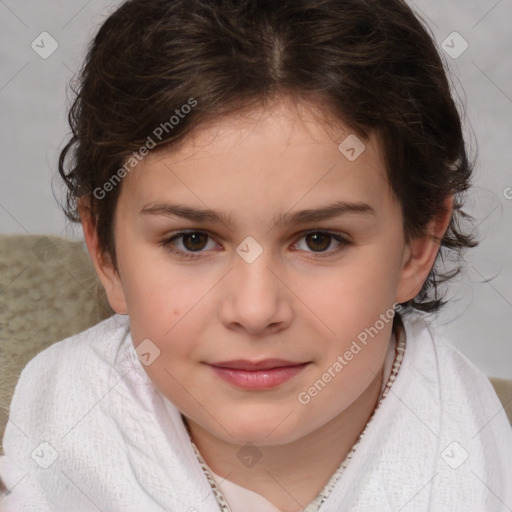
257	299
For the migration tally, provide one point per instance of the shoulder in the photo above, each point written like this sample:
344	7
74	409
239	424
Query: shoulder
425	342
100	342
70	406
424	338
76	368
450	371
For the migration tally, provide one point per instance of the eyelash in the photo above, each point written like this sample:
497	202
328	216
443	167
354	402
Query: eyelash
167	243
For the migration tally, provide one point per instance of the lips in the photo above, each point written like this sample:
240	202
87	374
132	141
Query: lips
257	375
250	366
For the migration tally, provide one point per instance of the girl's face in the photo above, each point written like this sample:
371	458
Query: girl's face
248	283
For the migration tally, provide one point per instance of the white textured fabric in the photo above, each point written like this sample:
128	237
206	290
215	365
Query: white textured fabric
439	442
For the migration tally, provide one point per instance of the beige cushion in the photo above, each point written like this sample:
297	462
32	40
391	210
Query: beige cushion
49	291
503	388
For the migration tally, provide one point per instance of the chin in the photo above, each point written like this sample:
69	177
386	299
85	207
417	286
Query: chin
262	429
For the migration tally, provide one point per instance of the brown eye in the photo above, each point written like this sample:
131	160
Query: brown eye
188	244
318	241
322	244
195	241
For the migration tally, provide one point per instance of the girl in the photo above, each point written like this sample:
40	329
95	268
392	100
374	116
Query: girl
265	189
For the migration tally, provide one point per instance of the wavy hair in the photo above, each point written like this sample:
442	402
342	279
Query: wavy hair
372	63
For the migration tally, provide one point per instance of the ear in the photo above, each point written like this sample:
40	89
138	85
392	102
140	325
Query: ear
102	262
420	254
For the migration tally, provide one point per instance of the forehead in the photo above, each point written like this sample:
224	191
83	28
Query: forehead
283	123
280	154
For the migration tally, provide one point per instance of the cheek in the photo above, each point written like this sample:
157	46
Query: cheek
158	294
176	371
353	296
173	310
350	356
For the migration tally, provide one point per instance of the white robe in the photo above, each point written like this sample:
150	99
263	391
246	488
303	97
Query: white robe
88	431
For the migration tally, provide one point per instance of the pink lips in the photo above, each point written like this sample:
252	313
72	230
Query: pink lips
257	375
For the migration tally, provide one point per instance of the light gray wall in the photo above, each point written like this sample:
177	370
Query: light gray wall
34	100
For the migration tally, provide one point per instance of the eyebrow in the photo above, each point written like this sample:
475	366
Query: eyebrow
330	211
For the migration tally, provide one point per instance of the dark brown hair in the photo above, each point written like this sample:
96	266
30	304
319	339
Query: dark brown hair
372	64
